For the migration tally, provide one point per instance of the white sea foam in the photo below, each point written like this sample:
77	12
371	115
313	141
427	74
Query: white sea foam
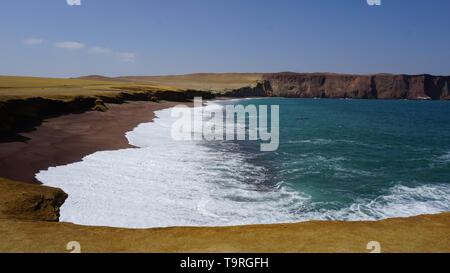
445	158
168	183
175	183
399	201
312	141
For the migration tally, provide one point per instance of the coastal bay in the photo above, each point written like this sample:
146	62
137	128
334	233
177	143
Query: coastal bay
65	139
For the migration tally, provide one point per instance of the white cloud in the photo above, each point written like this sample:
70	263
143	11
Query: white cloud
73	2
70	45
33	41
126	56
123	56
101	50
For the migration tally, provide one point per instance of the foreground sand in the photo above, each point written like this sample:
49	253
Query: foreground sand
418	234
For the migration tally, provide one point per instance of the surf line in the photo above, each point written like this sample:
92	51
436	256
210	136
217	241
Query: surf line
233	122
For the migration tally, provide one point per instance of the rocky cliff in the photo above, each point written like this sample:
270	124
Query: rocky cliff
325	85
21	201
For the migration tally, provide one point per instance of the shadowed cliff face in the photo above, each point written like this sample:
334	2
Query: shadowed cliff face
23	115
380	86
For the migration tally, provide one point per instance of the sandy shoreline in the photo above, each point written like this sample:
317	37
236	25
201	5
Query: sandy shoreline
69	138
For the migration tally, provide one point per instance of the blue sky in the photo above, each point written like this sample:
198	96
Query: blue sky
151	37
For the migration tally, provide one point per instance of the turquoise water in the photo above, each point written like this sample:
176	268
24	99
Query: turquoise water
357	159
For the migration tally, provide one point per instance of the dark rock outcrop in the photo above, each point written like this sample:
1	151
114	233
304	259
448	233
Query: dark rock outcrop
100	106
261	89
21	201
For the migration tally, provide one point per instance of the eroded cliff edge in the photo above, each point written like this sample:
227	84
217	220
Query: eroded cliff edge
22	201
327	85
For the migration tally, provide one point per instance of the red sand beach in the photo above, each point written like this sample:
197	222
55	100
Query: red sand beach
67	139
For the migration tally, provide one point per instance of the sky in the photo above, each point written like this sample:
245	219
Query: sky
160	37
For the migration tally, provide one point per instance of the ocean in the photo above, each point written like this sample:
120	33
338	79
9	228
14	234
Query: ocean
346	160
